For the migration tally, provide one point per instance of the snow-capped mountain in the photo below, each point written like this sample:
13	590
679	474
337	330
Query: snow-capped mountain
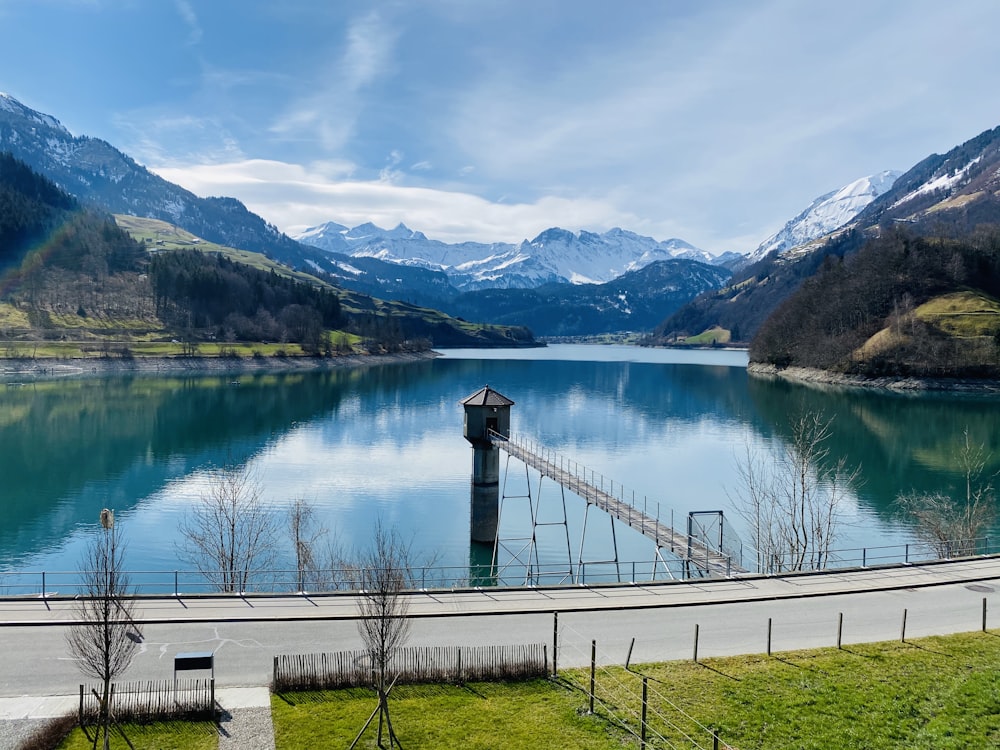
825	214
554	256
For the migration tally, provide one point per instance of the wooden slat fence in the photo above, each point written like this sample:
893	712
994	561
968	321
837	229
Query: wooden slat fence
151	701
415	664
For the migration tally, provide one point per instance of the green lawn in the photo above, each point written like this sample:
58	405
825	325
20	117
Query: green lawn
500	716
930	694
167	735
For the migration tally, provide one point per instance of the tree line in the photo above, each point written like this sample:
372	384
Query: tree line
828	320
195	290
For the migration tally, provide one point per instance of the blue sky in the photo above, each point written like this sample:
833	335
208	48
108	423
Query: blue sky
712	121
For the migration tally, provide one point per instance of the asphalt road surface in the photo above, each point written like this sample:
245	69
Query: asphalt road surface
731	616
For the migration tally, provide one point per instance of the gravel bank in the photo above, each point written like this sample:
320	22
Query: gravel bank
17	370
815	377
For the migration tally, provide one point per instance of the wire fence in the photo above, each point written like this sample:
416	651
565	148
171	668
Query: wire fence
637	706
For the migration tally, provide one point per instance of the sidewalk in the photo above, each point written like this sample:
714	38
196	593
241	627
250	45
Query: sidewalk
60	611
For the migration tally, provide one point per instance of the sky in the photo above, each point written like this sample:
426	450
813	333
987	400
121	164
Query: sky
711	121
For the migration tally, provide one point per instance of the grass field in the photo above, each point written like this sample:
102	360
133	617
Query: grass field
710	337
486	716
928	694
963	314
167	735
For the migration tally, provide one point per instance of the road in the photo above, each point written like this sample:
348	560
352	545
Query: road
731	615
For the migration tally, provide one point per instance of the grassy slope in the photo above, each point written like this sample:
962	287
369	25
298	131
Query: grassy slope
964	315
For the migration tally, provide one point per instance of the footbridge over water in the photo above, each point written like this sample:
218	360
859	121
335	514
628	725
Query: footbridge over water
694	549
701	548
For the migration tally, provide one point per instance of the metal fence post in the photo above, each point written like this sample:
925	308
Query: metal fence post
840	627
695	657
768	637
555	644
902	628
645	702
984	614
593	672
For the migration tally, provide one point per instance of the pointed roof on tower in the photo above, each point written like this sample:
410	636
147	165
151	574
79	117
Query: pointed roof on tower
486	396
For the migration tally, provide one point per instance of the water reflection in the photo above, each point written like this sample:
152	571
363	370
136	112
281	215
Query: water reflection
387	442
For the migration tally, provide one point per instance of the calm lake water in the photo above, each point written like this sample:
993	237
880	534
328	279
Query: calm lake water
386	443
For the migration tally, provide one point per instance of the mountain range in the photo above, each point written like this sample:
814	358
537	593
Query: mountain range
555	256
953	195
596	280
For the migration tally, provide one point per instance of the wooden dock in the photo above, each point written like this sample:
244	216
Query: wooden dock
598	491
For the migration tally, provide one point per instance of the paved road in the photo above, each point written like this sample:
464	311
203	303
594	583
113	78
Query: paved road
731	615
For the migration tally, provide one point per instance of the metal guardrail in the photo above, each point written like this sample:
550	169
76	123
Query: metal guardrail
47	583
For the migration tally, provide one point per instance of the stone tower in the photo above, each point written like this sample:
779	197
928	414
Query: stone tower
487	418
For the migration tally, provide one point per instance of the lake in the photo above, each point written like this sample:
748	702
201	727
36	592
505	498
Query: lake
385	443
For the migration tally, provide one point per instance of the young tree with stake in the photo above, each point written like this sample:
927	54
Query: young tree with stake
385	572
105	639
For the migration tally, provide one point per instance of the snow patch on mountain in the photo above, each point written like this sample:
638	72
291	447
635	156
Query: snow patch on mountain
944	182
825	214
555	255
12	105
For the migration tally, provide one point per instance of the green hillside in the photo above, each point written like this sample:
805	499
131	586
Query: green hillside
902	306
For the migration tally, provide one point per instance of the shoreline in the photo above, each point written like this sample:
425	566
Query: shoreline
814	377
11	370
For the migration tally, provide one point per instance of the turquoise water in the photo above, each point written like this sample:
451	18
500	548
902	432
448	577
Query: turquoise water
385	442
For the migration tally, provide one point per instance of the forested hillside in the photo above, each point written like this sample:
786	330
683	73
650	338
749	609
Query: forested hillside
73	283
904	305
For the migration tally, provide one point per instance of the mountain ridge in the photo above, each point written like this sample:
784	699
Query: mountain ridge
950	195
555	255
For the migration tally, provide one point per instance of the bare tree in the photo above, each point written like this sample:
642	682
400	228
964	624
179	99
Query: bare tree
230	534
385	573
792	500
305	533
952	525
105	639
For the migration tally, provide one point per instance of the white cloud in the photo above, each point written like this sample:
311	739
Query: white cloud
295	198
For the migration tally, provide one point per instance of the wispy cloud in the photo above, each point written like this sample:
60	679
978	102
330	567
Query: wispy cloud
328	113
191	20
